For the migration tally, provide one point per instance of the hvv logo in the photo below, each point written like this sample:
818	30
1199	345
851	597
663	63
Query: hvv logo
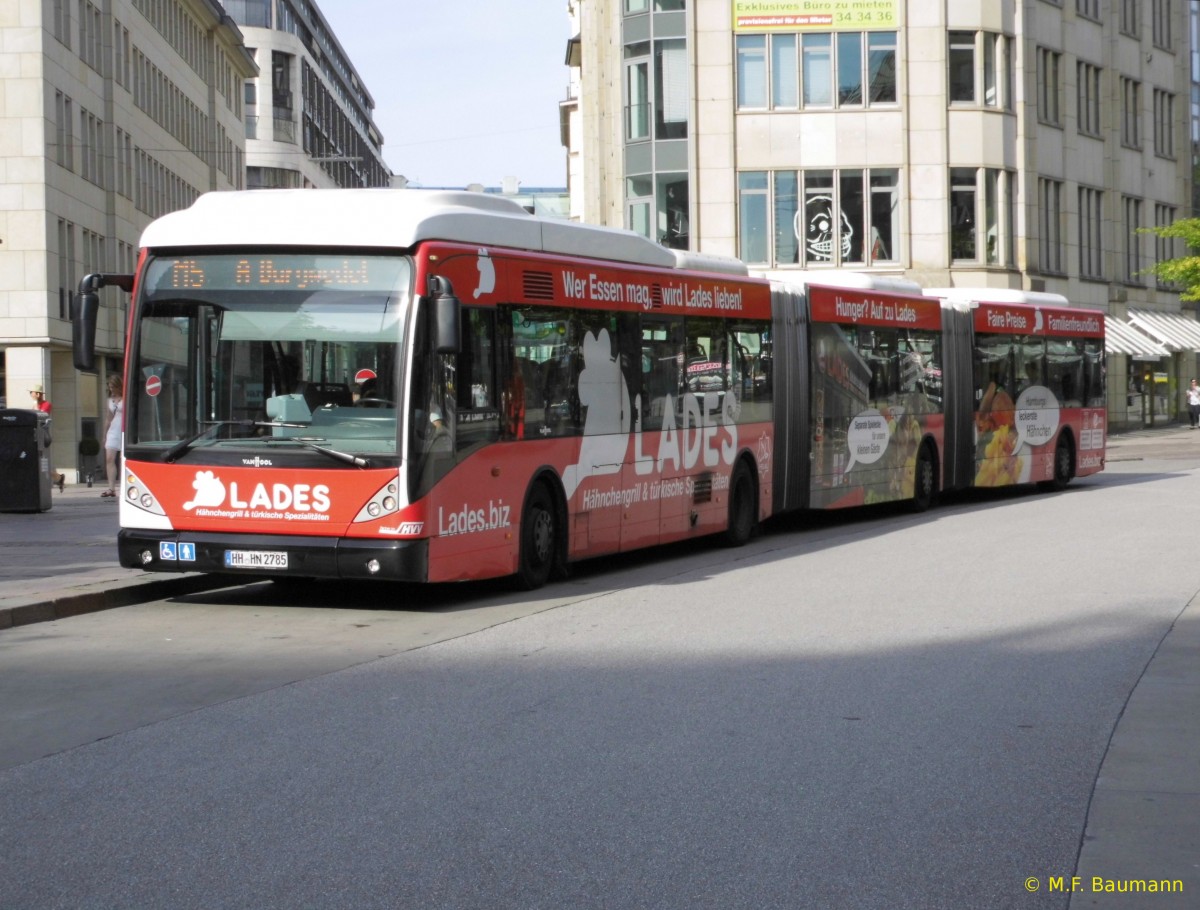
211	493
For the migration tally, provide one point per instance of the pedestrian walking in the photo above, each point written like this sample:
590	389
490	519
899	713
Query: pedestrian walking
114	423
1193	398
38	393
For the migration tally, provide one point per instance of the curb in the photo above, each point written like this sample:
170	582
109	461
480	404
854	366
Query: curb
63	605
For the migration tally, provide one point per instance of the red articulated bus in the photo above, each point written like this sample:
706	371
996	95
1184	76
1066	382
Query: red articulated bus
439	386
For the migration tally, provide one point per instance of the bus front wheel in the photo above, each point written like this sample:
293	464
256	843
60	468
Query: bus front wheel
539	540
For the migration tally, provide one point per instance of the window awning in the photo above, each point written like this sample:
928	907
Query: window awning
1174	331
1122	338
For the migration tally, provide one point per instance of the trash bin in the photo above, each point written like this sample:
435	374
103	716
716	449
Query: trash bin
24	461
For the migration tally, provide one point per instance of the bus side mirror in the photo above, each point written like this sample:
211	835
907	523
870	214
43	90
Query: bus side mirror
84	307
446	316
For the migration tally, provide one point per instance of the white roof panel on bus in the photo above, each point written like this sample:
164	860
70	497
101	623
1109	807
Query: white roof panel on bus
998	295
398	219
843	278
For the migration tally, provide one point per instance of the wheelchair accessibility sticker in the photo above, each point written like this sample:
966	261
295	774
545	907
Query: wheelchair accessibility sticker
172	552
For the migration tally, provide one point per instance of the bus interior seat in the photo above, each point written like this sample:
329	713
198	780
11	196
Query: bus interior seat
319	394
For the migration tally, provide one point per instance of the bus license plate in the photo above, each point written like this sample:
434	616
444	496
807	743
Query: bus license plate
256	559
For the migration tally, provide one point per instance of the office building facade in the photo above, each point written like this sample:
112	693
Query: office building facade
1004	144
309	117
112	114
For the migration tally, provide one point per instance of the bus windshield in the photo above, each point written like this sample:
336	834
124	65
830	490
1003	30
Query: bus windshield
271	349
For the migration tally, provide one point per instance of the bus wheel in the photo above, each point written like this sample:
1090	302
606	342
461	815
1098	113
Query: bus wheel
743	507
1064	458
539	539
924	480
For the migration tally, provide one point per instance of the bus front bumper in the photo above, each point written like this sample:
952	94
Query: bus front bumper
261	555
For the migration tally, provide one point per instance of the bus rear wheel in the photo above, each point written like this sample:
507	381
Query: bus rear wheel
924	480
1064	462
539	540
743	507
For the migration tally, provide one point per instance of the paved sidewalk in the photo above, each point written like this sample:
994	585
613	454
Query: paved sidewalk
64	562
1144	815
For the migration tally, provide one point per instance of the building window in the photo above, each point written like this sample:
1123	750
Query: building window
637	92
90	40
66	265
1161	24
819	217
639	203
671	207
754	217
981	216
789	71
1048	63
91	140
785	86
656	88
1131	240
64	134
1091	263
272	178
1131	17
816	75
1131	110
62	21
980	69
671	94
121	55
1164	124
1088	8
1087	79
1164	247
656	206
1050	225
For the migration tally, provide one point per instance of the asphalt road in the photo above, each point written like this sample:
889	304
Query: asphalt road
886	712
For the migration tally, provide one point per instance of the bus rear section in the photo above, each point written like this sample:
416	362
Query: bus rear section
1039	402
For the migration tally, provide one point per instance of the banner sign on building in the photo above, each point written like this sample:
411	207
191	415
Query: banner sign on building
813	15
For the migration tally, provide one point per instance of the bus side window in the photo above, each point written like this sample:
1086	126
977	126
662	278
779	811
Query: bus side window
1065	372
662	367
475	380
1031	367
1094	394
993	365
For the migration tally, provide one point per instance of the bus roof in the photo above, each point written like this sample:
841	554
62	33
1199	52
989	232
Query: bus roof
401	218
844	278
998	295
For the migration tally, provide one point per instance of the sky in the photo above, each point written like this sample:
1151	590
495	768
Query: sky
465	91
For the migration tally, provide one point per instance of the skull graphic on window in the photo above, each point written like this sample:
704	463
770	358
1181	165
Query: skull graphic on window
818	232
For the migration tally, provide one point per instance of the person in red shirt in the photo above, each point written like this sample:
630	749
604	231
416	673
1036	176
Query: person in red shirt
39	397
38	391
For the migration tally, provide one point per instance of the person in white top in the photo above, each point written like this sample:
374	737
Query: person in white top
1193	399
114	423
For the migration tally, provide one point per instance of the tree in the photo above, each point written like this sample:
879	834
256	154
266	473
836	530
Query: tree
1184	271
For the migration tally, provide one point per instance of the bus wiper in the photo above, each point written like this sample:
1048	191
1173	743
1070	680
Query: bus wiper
308	443
213	427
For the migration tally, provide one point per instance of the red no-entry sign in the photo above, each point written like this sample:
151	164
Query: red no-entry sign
153	386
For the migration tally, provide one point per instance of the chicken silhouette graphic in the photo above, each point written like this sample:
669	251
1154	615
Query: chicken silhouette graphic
209	491
603	390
